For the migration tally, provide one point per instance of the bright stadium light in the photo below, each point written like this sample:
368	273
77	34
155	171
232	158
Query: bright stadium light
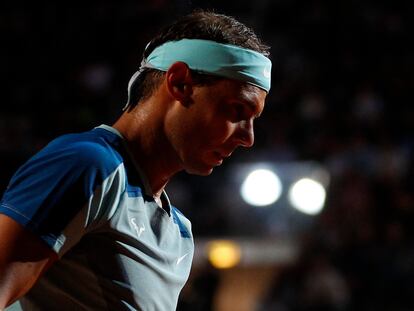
261	187
223	254
307	196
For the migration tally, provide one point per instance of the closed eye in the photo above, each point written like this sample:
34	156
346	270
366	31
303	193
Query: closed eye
239	113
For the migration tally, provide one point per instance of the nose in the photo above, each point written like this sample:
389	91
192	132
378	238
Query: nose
245	133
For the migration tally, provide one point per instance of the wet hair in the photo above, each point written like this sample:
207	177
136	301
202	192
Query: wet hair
197	25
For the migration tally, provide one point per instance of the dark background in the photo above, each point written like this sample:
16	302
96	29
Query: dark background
341	96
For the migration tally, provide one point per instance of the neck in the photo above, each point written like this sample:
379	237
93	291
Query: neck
143	131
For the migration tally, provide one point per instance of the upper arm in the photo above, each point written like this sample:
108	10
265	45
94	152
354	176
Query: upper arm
23	258
49	204
59	189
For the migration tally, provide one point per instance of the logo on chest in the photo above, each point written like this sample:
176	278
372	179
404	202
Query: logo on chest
138	229
180	259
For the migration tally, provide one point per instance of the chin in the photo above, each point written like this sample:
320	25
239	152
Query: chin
201	170
202	165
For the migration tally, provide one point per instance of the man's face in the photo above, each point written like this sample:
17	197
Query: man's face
218	119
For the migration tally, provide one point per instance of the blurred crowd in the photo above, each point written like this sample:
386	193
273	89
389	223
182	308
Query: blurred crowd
342	95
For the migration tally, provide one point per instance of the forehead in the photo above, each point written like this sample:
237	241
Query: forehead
253	93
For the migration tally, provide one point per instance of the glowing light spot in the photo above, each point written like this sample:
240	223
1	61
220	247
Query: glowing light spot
261	187
307	196
223	254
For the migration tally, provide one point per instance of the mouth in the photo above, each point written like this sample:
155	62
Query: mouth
220	157
225	154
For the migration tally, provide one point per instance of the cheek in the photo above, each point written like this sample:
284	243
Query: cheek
216	133
208	128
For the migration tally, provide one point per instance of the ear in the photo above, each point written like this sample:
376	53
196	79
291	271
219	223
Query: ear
179	82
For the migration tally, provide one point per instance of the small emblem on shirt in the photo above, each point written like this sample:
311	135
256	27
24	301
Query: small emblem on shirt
139	229
179	259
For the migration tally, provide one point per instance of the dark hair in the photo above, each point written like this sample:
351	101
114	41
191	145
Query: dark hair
197	25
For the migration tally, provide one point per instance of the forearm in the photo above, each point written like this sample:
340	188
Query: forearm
9	291
23	259
17	278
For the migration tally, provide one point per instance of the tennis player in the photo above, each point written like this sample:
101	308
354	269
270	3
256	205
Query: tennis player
85	224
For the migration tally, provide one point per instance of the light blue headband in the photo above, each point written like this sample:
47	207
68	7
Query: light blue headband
210	57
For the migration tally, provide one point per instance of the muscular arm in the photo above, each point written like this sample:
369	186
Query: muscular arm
23	258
